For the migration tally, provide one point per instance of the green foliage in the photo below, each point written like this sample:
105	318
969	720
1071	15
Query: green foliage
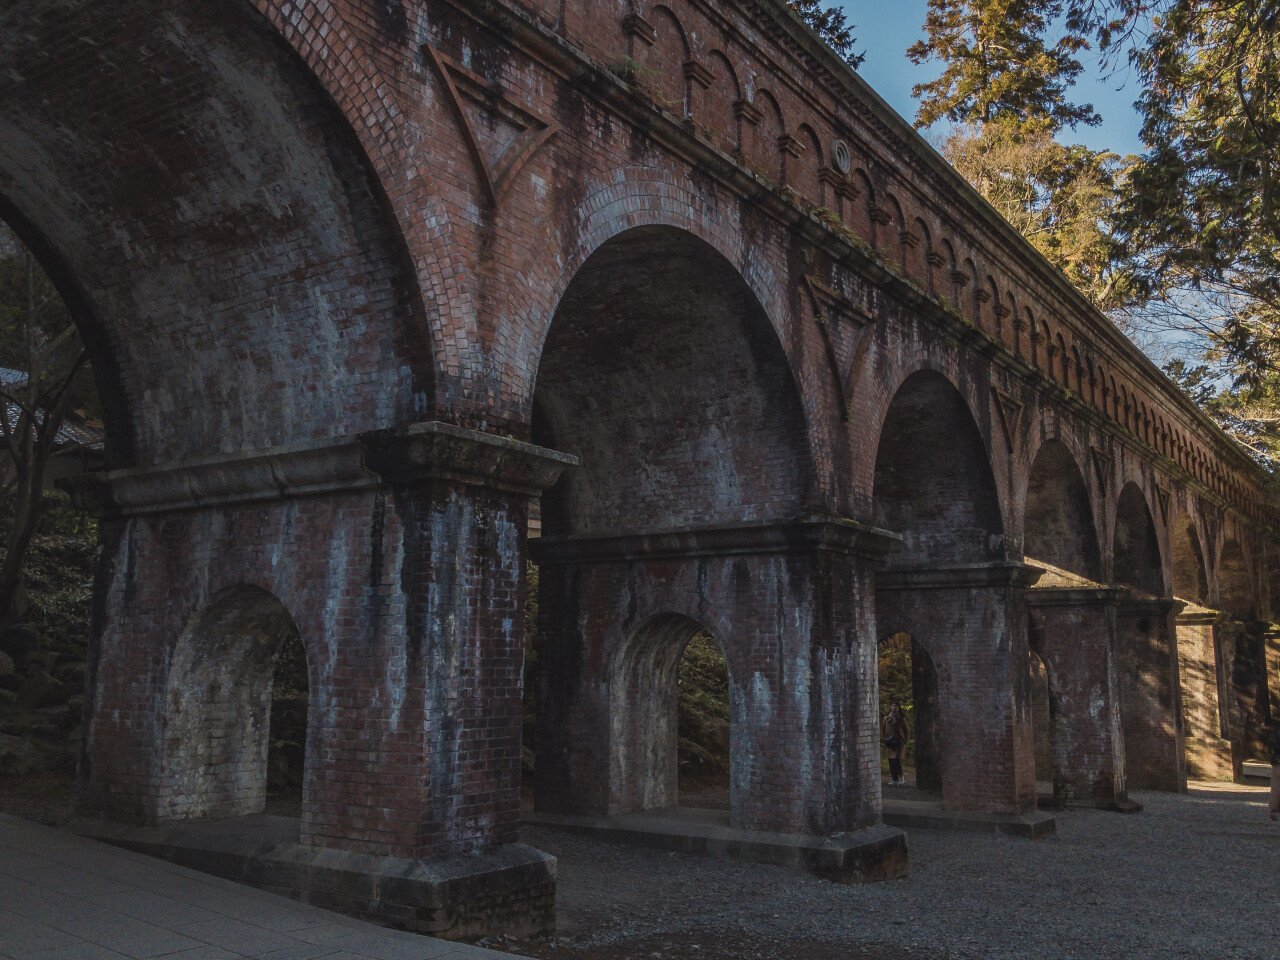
831	24
998	65
59	573
1185	238
1249	412
895	673
529	716
1205	198
703	695
1061	198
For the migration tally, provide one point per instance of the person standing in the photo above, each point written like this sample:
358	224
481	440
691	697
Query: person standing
1274	806
896	733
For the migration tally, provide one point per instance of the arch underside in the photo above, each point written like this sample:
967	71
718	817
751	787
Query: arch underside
662	374
1136	560
933	479
1058	528
243	284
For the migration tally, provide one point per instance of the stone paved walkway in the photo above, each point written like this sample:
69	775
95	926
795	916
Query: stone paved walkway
66	898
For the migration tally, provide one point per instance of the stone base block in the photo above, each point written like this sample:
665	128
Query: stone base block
1255	772
509	890
1050	801
871	854
1034	825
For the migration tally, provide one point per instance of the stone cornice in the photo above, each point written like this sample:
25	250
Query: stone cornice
573	65
1145	606
798	536
1062	596
420	453
1001	573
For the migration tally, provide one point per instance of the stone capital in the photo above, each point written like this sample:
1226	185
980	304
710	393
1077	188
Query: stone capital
422	452
810	534
997	575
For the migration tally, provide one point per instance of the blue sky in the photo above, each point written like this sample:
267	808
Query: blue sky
886	29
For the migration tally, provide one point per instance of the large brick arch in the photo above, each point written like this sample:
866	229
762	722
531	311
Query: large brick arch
933	477
1188	559
1235	590
218	703
250	282
1136	557
663	375
1059	525
623	200
392	114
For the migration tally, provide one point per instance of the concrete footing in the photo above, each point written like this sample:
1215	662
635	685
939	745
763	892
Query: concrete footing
1033	825
874	853
508	890
1255	772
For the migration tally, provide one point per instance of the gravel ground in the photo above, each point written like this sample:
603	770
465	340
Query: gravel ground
1191	876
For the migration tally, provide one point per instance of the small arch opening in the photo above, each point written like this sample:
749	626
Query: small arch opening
909	680
221	709
1042	723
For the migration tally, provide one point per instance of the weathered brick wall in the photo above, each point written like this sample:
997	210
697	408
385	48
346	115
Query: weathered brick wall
1151	702
976	637
1208	750
623	226
1074	633
408	604
796	631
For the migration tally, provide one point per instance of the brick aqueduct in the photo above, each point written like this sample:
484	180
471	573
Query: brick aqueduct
363	280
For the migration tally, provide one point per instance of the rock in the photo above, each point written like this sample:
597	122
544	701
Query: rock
7	667
17	756
8	696
41	690
18	641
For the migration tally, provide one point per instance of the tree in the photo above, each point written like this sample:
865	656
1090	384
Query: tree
1006	89
1200	214
998	66
1250	414
1206	194
1061	198
37	338
831	24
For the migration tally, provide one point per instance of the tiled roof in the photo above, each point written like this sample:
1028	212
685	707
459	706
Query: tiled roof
73	434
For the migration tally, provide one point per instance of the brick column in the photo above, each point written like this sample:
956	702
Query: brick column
1250	705
1207	741
789	603
400	558
1072	629
1150	697
972	621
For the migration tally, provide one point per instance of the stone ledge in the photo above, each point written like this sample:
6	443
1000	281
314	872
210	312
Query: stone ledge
1255	771
1141	605
868	855
508	890
920	814
997	574
802	535
421	452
